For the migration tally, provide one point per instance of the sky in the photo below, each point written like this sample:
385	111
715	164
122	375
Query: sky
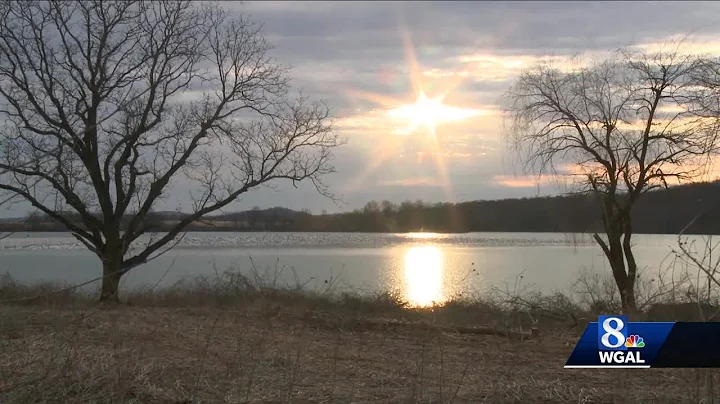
359	57
362	57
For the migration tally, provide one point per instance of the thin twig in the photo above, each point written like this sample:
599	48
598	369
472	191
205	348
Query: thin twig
691	257
164	274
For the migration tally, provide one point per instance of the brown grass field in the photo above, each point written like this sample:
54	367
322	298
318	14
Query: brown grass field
270	346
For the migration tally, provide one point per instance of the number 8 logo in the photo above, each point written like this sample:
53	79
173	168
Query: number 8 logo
613	331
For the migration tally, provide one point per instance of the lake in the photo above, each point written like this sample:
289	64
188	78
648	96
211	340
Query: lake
424	267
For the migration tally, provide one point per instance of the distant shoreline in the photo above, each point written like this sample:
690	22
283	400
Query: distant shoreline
664	211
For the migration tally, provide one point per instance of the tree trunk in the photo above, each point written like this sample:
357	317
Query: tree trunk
624	283
629	303
629	306
618	229
111	280
616	253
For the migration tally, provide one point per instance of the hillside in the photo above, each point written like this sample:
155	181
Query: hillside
665	211
662	211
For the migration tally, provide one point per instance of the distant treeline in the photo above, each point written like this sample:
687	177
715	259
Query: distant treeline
665	211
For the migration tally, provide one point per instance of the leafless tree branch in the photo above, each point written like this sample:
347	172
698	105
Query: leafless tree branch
628	124
107	105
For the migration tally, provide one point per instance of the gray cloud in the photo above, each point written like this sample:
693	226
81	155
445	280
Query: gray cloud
338	46
349	29
342	45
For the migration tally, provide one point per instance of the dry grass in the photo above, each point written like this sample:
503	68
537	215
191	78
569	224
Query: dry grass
244	344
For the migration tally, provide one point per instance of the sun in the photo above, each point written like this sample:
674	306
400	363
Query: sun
427	113
424	112
420	113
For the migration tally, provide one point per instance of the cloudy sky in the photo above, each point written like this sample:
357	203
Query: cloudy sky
361	57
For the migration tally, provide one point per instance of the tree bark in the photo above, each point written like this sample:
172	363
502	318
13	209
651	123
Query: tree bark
617	264
112	273
629	306
617	250
629	303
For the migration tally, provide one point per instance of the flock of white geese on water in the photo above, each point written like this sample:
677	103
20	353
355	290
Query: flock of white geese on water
61	241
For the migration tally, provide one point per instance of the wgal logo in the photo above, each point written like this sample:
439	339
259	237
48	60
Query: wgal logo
614	335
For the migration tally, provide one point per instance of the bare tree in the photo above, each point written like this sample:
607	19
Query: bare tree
622	126
107	105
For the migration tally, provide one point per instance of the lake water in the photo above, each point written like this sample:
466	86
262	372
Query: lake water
424	267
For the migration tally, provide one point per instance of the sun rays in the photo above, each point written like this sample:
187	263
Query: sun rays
427	113
416	116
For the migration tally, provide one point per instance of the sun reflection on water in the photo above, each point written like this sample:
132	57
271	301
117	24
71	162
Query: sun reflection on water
424	270
425	235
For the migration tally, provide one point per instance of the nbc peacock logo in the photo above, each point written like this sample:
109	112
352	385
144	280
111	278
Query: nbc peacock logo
634	341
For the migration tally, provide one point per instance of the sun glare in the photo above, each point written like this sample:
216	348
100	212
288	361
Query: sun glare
422	116
428	113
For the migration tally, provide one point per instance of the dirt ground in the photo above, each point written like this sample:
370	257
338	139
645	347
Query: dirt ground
290	354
